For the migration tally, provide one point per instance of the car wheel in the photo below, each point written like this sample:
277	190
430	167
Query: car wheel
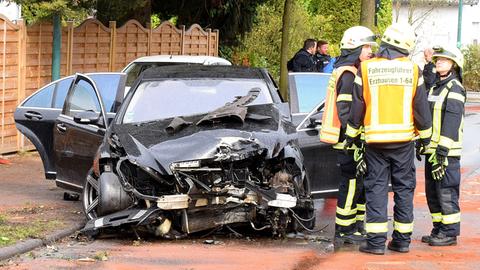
90	195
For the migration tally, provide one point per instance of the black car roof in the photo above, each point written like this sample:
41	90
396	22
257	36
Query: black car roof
201	71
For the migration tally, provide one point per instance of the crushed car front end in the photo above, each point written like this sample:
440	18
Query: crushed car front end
237	164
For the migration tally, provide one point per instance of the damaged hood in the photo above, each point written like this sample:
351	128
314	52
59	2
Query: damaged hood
154	145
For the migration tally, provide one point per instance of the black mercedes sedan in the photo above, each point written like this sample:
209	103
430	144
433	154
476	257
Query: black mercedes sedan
190	148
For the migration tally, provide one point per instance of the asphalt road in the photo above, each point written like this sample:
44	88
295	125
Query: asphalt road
254	252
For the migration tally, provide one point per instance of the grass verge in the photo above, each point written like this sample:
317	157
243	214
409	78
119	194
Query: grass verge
11	232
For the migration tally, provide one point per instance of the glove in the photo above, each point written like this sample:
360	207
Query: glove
359	157
348	143
439	165
420	148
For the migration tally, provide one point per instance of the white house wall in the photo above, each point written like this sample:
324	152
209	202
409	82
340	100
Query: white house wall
11	10
440	26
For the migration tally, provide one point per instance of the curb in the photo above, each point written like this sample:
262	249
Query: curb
30	244
473	97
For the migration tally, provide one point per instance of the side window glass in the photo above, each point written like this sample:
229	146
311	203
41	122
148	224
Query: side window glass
311	90
42	99
132	74
61	92
107	85
83	98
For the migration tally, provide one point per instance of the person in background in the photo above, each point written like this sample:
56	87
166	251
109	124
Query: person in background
304	61
322	58
429	72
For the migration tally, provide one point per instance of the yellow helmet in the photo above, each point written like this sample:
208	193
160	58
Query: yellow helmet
357	36
450	52
400	35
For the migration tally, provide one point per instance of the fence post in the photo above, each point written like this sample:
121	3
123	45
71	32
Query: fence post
21	75
216	39
182	45
209	35
69	47
149	39
113	39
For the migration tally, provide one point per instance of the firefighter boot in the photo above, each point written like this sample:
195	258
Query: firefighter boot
348	238
443	240
366	248
398	247
428	238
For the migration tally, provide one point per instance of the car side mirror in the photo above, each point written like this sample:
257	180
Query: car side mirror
86	117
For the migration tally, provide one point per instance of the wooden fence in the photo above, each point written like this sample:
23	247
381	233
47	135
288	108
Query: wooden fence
26	57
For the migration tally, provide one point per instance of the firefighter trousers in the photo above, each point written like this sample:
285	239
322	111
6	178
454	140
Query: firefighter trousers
442	198
398	166
351	196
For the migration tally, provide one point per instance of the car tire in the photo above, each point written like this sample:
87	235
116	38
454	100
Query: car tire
90	195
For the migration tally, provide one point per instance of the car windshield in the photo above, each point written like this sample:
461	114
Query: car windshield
154	100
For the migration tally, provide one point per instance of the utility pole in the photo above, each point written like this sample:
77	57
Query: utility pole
284	50
56	48
459	24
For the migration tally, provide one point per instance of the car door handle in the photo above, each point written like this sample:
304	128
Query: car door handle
33	115
61	127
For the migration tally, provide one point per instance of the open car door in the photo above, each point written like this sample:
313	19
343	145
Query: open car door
307	96
80	127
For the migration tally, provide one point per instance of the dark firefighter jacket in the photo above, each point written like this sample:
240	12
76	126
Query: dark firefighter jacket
447	99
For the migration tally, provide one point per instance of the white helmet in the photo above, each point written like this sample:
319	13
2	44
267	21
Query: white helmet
357	36
400	35
450	52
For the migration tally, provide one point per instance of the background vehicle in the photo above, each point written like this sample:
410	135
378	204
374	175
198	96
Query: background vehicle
36	118
307	94
137	66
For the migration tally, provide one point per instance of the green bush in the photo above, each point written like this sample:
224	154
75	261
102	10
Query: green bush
318	19
471	68
261	46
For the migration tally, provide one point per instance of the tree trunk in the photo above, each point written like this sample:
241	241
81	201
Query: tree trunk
367	15
284	50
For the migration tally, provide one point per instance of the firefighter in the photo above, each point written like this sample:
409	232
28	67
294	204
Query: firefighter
356	46
390	102
442	163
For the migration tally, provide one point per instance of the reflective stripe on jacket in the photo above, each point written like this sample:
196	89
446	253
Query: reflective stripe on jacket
330	131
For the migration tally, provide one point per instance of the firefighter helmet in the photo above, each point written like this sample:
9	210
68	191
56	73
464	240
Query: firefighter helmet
400	35
450	52
357	36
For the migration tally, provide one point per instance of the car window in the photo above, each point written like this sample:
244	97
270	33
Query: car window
42	99
107	85
311	89
83	98
162	99
61	92
134	70
132	73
